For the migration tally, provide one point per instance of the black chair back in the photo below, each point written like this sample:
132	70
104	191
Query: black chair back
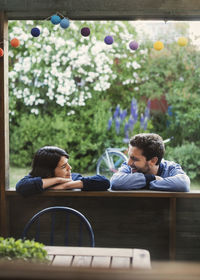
60	226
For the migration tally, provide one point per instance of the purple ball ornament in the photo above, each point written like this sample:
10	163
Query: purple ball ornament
64	23
55	19
108	40
35	32
85	31
133	45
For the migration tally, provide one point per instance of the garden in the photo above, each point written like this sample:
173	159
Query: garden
83	95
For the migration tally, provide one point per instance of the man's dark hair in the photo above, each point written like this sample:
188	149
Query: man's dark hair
151	145
46	160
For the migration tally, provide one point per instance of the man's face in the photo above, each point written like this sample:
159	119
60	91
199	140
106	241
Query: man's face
63	168
137	161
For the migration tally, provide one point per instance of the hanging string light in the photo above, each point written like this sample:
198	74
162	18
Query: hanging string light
158	46
85	31
64	23
55	19
15	42
109	40
133	45
182	41
1	52
35	32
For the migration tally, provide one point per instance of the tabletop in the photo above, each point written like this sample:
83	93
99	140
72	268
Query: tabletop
99	257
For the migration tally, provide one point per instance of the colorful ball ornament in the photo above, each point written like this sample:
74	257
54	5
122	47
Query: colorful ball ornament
108	40
85	31
55	19
35	32
182	41
15	42
1	52
133	45
64	23
158	46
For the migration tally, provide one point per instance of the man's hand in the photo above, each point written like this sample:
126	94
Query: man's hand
158	178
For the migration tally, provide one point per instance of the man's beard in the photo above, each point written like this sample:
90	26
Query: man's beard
144	170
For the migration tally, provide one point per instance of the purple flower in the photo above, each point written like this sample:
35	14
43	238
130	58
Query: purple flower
117	112
126	130
145	117
109	124
117	125
142	118
123	114
134	109
131	123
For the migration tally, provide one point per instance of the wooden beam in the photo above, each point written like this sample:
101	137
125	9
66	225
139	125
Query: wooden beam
4	123
172	229
103	9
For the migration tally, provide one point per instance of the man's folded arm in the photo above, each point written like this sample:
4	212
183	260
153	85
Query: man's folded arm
177	181
133	181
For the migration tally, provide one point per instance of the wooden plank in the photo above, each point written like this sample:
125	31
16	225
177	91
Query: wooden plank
4	124
172	229
141	259
101	261
78	193
95	9
62	260
88	251
80	261
121	262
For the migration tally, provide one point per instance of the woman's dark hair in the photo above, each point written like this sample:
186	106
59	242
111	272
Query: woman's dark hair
46	160
151	145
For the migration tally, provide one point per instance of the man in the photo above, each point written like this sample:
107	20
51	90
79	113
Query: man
147	169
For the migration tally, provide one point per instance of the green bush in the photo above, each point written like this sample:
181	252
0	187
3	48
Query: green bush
30	251
188	156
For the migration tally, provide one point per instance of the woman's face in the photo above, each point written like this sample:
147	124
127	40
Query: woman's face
63	168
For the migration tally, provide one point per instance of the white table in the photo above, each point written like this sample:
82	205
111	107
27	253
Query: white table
99	257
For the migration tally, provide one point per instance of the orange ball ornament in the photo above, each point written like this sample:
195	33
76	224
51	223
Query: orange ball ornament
1	52
158	46
15	42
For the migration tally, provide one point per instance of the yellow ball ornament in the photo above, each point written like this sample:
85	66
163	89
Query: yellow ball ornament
158	46
182	41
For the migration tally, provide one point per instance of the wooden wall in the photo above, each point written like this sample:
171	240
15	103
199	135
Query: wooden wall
166	225
103	9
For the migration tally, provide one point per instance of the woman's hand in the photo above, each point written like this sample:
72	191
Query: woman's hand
69	185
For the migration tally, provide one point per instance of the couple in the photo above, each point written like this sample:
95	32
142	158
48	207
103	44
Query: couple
145	169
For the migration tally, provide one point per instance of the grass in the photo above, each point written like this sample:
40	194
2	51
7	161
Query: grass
17	173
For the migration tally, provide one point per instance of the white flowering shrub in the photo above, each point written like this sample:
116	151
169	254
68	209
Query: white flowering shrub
64	88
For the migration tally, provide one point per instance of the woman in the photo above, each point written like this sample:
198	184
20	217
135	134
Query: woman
50	169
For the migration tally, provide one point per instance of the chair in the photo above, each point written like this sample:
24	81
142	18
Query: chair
44	224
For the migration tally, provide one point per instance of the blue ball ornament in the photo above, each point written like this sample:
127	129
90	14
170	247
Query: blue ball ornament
55	19
108	40
64	23
35	32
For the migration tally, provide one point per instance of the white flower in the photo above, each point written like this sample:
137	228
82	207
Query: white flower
136	65
35	111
